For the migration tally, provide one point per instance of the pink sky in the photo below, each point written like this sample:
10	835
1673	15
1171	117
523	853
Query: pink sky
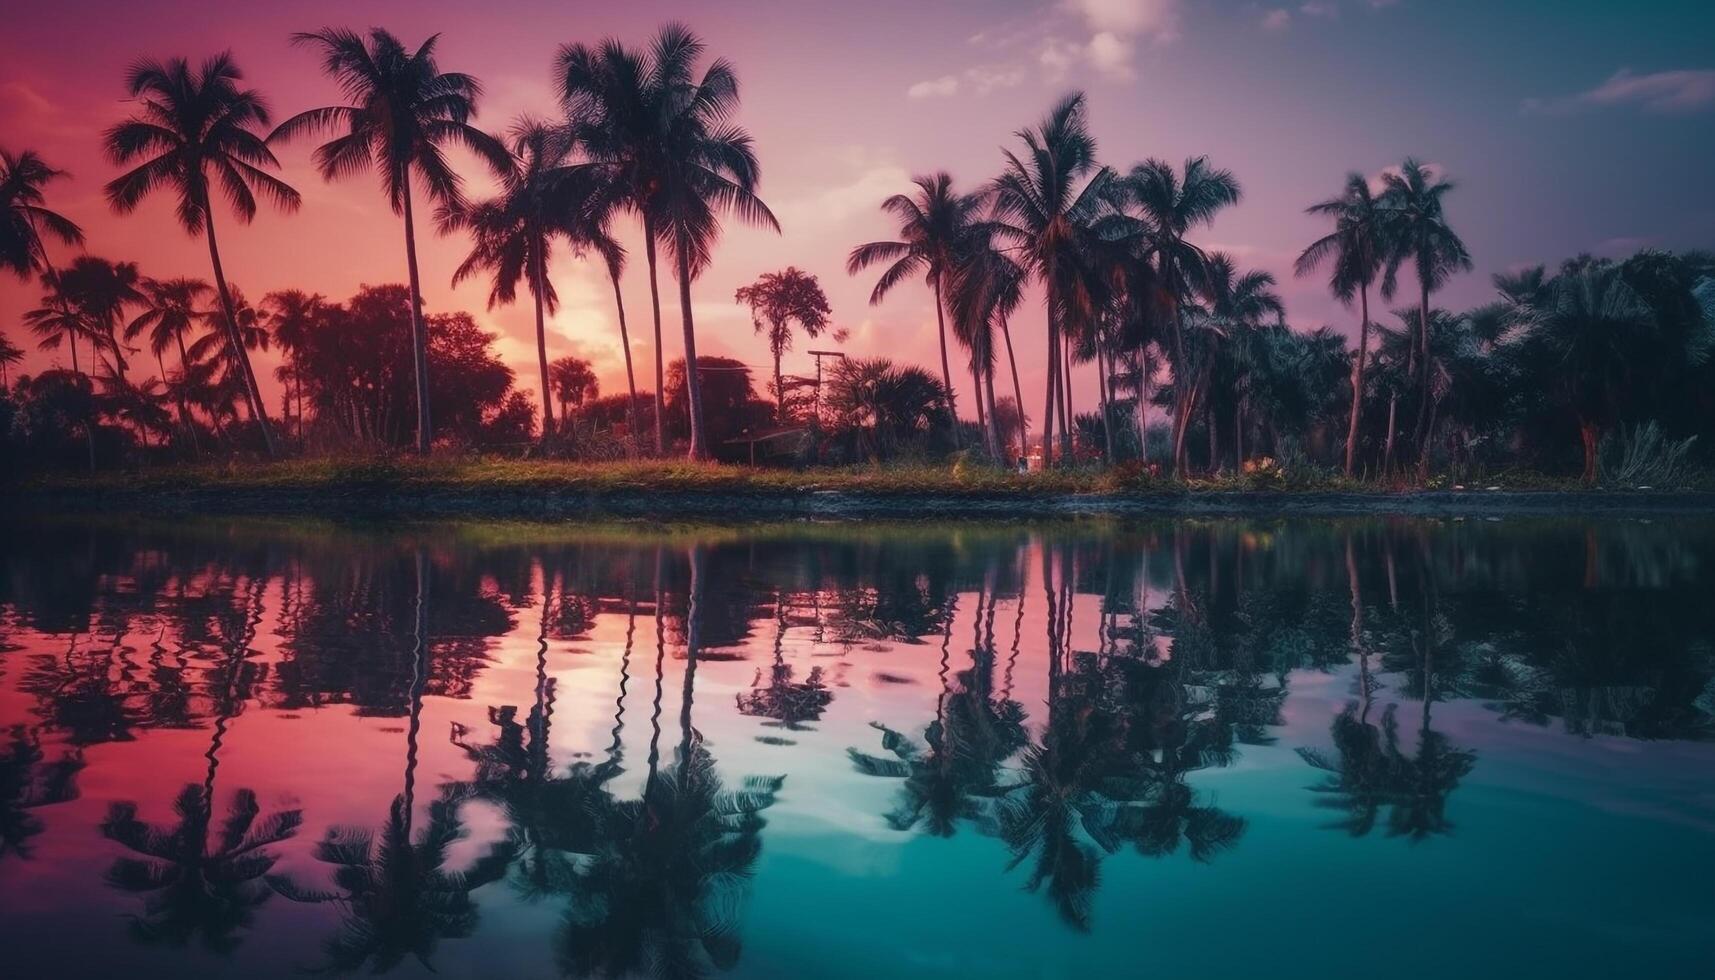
848	101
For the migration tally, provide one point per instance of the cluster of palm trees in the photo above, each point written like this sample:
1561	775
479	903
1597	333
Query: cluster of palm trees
645	132
1124	286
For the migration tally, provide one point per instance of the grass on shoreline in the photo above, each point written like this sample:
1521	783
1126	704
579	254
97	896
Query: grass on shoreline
470	474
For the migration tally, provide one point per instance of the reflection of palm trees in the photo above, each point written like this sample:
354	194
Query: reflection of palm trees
661	890
28	782
396	895
1373	773
195	881
788	702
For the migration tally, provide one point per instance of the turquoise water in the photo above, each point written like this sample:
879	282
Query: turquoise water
1286	749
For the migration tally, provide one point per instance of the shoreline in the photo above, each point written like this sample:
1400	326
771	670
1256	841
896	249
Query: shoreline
764	505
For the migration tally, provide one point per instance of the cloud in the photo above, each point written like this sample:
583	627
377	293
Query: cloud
980	80
1110	54
1320	8
1278	19
1155	20
1679	91
934	88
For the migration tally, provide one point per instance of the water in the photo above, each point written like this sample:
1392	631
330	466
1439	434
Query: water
1413	748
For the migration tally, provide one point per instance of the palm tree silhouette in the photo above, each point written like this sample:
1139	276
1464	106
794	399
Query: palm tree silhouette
986	289
170	310
934	225
659	139
775	300
198	879
1355	251
1042	213
512	234
1235	305
1415	230
197	127
776	694
24	215
28	782
1172	203
404	111
396	895
10	354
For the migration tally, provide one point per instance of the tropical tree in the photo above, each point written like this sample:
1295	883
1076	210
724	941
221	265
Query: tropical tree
775	300
25	217
403	112
1043	209
1235	305
574	383
934	225
196	128
660	140
1415	231
986	288
512	234
1586	343
1354	251
58	321
292	317
10	354
1173	203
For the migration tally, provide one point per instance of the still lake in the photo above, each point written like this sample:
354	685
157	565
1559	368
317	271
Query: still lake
1414	748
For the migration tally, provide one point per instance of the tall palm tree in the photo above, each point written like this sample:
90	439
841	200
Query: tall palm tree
1173	203
1237	304
58	320
611	98
100	290
1416	231
1355	251
24	216
10	354
404	111
710	171
775	300
195	128
986	288
573	382
1041	211
292	318
512	233
933	226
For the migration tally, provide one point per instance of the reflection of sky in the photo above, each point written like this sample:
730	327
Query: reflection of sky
1570	126
1568	856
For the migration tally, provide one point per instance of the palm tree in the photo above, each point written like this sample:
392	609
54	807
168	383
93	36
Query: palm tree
775	300
197	127
710	171
24	215
58	321
933	226
512	234
1042	213
404	111
1173	203
1355	249
987	287
573	382
1585	340
1236	305
292	319
659	141
10	354
1416	231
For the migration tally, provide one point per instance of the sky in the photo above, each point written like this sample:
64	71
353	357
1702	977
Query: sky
1568	126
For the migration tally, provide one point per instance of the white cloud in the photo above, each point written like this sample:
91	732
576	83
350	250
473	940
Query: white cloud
1155	20
934	88
1319	8
1663	91
1057	56
1278	19
1110	54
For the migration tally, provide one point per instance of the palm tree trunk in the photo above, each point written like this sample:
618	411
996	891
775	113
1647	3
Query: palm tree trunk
1050	397
1066	418
699	449
1239	436
1104	397
994	417
1423	384
235	343
419	333
655	306
1590	437
779	390
1140	368
1358	377
1017	393
946	370
1392	415
538	276
625	344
